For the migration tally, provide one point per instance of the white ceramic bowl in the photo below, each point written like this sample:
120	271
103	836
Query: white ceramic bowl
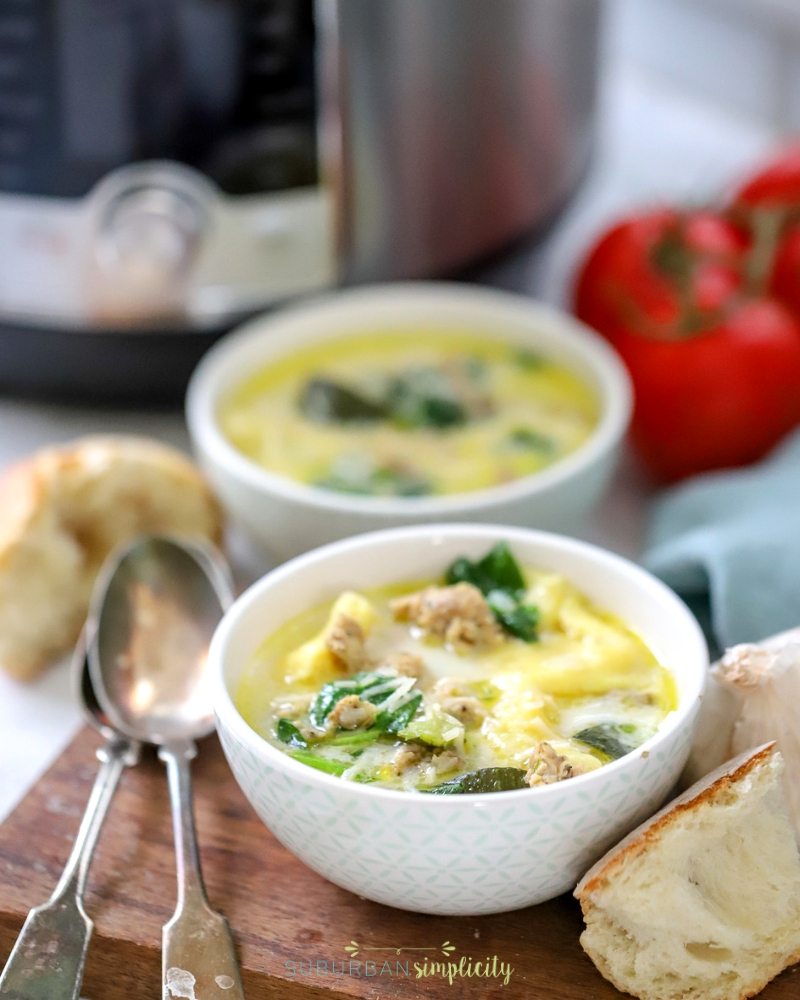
460	854
290	517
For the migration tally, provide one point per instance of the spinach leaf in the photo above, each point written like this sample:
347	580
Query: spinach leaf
498	570
369	686
358	474
521	621
463	570
330	693
289	733
501	567
609	738
424	397
322	705
394	721
421	397
439	412
499	578
327	402
487	779
390	481
501	601
320	763
528	360
531	440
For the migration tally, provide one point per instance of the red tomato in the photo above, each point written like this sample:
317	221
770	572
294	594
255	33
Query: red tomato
777	184
721	398
784	282
716	373
662	273
770	204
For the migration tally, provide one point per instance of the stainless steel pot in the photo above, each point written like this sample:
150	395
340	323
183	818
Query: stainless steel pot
203	159
452	127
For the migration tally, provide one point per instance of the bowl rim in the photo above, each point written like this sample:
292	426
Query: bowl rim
213	375
229	716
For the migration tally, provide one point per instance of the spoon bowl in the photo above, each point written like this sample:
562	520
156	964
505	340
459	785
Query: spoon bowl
153	613
153	620
85	694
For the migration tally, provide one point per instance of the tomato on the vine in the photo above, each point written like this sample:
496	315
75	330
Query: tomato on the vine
661	273
777	185
715	369
769	204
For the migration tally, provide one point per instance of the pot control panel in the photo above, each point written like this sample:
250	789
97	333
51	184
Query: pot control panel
158	158
224	86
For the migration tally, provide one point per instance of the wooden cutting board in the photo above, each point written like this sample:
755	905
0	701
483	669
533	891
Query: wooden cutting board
292	927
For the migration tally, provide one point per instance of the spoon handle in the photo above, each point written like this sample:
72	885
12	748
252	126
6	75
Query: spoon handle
48	957
199	957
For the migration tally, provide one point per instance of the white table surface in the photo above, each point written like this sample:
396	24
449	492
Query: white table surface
654	145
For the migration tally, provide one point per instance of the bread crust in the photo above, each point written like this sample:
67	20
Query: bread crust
62	510
649	832
21	494
24	486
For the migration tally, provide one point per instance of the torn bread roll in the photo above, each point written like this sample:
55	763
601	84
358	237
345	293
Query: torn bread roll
62	511
720	708
702	902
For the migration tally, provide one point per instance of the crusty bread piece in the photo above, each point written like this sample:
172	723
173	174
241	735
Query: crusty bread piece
62	511
702	902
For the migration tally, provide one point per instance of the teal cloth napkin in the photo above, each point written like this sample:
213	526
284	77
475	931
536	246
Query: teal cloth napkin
730	541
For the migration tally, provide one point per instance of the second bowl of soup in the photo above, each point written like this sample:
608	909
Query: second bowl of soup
402	404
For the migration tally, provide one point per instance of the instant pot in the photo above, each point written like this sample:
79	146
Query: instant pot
168	167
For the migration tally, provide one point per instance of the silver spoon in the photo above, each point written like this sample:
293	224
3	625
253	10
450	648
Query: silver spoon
154	614
49	955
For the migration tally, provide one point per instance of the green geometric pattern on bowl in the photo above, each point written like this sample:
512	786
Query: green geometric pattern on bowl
464	854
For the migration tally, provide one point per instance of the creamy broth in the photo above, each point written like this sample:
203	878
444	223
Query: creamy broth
409	413
584	691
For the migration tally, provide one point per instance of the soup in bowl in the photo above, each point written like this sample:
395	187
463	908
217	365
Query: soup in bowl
470	763
405	404
409	413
